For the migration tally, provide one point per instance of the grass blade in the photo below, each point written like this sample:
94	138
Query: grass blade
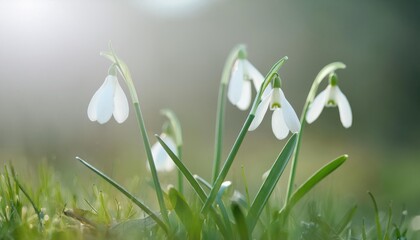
36	209
311	182
240	221
377	220
346	219
388	224
191	223
270	183
364	235
136	201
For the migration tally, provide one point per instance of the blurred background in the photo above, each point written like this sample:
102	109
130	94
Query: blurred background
50	68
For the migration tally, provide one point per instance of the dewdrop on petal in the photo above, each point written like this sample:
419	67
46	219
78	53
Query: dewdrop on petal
331	97
109	100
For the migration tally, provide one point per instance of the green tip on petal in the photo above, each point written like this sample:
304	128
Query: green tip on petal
112	70
277	82
242	54
333	79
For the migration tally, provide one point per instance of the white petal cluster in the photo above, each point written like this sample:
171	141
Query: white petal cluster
109	100
163	161
331	97
240	90
284	118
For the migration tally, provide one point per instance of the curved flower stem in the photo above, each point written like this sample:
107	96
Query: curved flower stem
221	105
124	71
235	148
311	95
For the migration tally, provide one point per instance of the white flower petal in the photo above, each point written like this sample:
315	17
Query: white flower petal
346	115
317	105
254	74
120	105
93	104
236	82
260	112
278	124
289	115
245	100
105	101
162	160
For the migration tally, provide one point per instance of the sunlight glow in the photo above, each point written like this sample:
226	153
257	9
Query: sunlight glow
167	8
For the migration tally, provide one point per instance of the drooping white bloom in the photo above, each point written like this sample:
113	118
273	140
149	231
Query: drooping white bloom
239	92
331	97
162	160
108	100
284	117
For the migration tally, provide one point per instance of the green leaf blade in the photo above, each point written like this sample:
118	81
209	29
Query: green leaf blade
190	221
120	188
270	183
311	182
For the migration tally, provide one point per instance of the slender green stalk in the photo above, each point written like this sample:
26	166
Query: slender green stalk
311	95
120	188
153	170
228	163
123	69
36	209
377	219
221	105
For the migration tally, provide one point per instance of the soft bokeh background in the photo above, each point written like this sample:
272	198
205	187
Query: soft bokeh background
50	67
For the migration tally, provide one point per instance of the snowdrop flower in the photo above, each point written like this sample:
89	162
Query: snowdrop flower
108	100
284	118
239	92
163	161
331	97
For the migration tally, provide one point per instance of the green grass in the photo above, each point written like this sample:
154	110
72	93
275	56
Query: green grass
98	213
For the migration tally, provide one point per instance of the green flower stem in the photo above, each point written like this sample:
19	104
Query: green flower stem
228	163
125	72
311	95
156	182
221	105
127	194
